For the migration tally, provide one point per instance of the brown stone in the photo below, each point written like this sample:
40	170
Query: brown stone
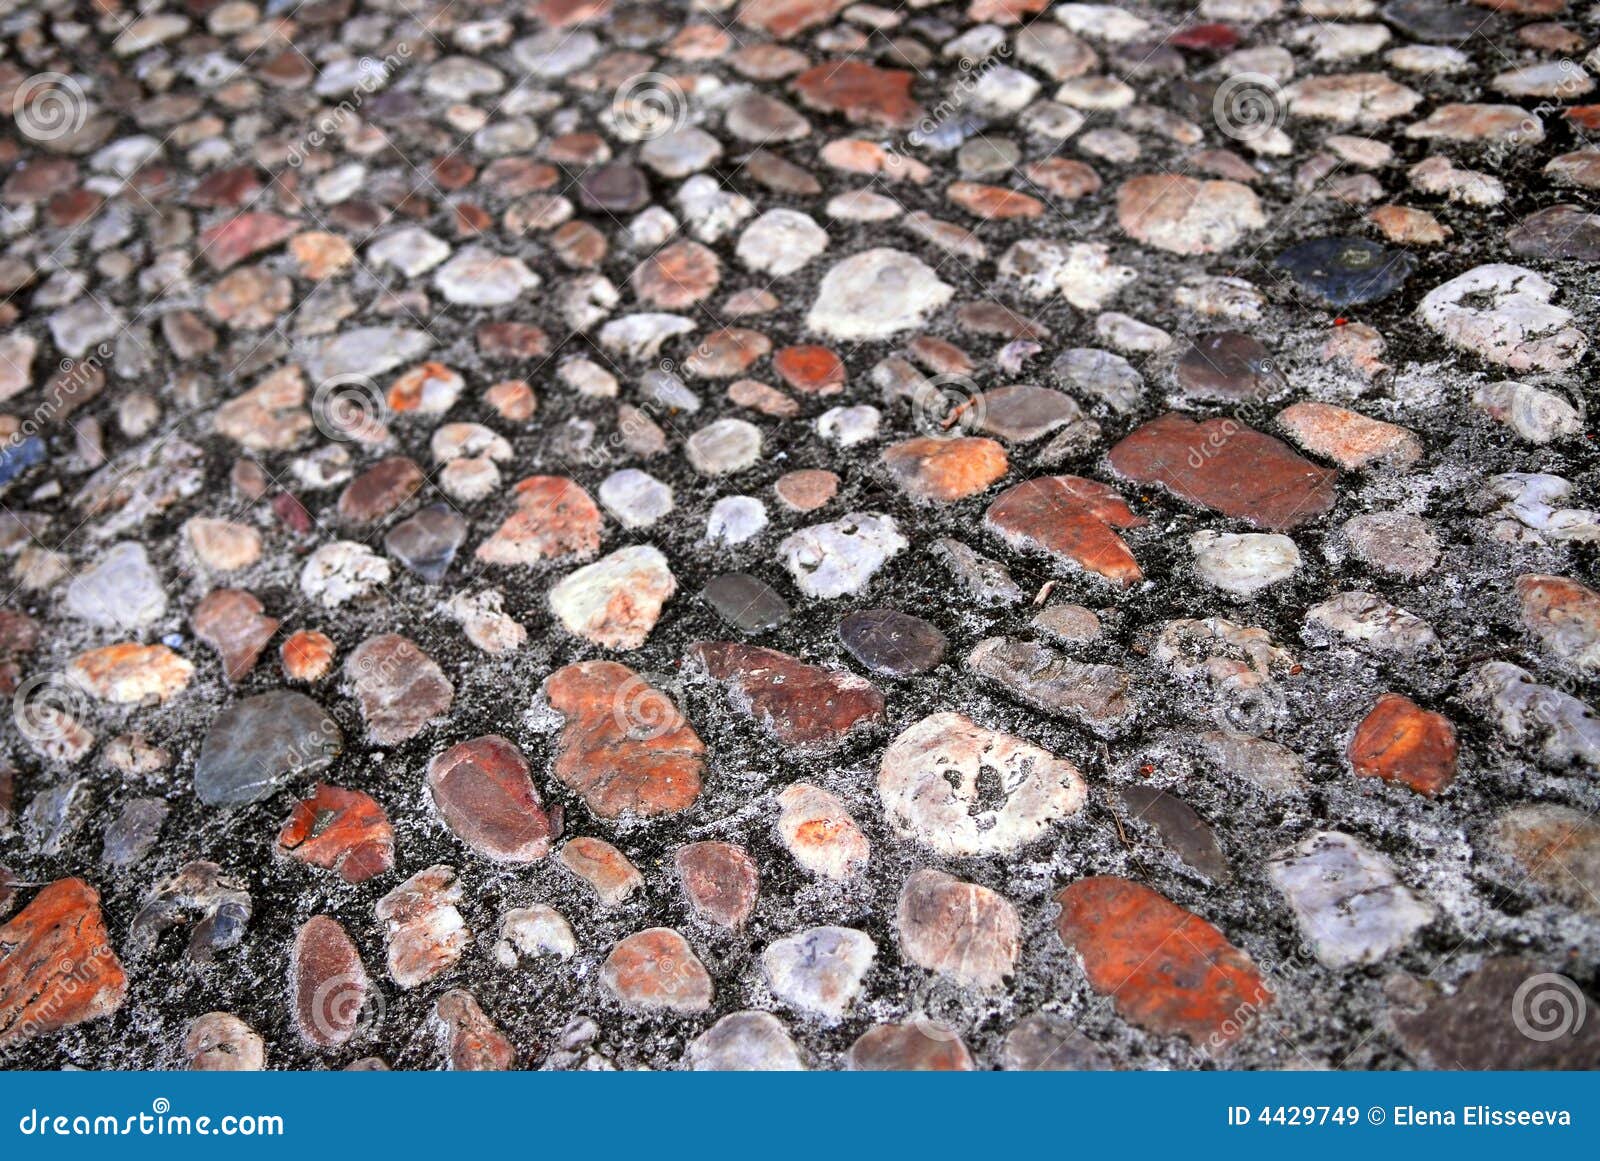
1564	615
57	966
992	202
806	490
398	687
760	397
380	490
861	93
624	745
946	470
1399	741
1558	849
655	969
483	790
727	352
607	870
1348	438
1409	226
344	831
1166	969
1072	519
720	880
328	982
233	623
554	518
1225	465
801	705
1185	215
1063	178
221	1042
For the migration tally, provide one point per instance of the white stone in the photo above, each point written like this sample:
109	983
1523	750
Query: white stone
637	499
1243	563
1348	899
728	445
1504	313
615	601
735	519
875	294
341	571
781	242
838	558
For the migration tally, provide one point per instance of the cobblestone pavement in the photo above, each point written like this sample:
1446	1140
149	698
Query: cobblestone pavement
786	533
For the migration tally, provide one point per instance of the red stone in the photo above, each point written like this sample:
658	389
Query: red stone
231	242
472	1041
344	831
554	517
1399	741
624	744
656	969
921	1046
1165	968
1005	11
483	790
862	93
781	19
1217	38
1225	465
307	655
57	966
1071	518
801	705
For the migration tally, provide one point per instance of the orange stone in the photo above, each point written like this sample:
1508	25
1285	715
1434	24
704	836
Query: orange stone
811	369
945	470
1063	178
676	276
1399	741
344	831
992	202
862	93
554	518
656	969
307	655
606	869
57	965
1071	518
1166	969
512	399
624	746
127	672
